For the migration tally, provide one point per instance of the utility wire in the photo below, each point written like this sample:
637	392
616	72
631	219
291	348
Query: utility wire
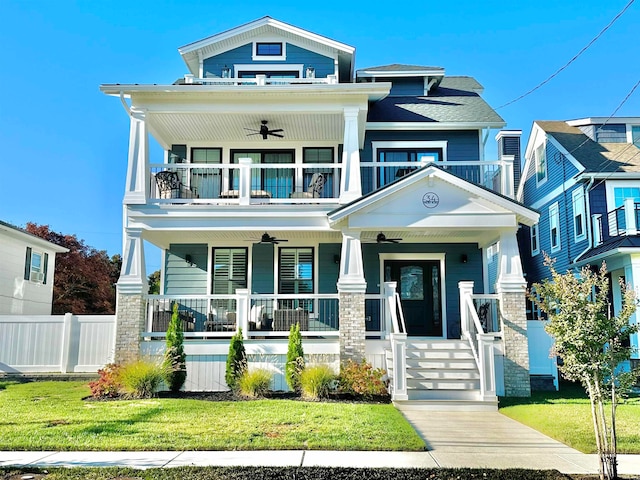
575	57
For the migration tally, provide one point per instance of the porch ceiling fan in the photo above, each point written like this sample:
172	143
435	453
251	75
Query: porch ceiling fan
266	238
265	131
382	238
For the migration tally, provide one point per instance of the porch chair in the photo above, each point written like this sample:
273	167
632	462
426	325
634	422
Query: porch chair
170	186
316	185
223	323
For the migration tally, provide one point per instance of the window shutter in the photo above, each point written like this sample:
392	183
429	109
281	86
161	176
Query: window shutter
230	270
27	264
44	268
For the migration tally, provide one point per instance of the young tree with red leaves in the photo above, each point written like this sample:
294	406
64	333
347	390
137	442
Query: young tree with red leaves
85	278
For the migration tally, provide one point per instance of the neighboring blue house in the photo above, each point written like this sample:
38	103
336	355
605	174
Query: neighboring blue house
297	189
583	177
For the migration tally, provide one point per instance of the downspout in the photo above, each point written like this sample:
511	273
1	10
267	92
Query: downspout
588	222
124	104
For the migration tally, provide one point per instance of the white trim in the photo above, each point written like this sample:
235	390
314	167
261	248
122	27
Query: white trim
535	227
554	218
382	257
268	58
601	120
539	152
578	198
239	67
430	125
610	187
554	193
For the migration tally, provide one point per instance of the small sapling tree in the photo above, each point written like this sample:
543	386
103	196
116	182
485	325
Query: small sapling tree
174	357
236	360
295	358
593	346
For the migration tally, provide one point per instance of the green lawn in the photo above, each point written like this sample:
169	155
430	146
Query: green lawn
53	416
566	416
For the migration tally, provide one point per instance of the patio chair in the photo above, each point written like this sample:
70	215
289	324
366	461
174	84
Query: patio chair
223	323
316	185
170	186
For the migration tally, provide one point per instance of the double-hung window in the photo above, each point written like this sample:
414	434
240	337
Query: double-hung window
541	164
554	227
206	181
579	215
295	276
535	241
35	266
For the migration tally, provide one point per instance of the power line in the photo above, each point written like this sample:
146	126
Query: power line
575	57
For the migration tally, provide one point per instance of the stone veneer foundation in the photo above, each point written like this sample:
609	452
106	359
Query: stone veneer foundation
352	326
130	318
516	348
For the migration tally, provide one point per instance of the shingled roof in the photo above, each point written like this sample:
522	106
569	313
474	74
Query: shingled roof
595	157
456	99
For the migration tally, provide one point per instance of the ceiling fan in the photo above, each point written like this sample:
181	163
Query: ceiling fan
266	238
265	131
382	238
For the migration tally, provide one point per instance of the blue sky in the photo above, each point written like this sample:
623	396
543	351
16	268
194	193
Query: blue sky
65	143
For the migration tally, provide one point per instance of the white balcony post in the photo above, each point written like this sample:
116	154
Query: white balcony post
350	182
630	216
466	290
244	184
242	311
261	80
390	309
136	184
506	176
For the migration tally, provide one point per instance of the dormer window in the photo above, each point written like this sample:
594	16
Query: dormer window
269	51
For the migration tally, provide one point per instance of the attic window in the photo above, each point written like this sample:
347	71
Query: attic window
269	51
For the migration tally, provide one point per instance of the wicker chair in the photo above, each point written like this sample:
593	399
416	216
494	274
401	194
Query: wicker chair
170	186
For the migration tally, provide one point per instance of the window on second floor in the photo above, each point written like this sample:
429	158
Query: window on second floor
541	164
535	241
554	227
35	267
635	135
579	215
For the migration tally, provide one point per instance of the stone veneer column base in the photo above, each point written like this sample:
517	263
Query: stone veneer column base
130	317
517	382
352	326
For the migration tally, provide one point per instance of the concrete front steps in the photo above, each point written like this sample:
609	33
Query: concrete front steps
442	375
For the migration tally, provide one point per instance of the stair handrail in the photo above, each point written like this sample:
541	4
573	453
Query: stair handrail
401	312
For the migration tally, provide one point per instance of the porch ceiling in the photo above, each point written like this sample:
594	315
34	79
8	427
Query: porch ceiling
190	127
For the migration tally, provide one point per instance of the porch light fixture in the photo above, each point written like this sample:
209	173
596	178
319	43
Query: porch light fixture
464	258
336	259
189	259
311	72
226	72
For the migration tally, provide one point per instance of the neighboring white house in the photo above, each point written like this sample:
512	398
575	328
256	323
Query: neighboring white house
27	266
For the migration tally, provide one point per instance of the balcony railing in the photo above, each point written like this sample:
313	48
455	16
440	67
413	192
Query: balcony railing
247	183
260	80
624	220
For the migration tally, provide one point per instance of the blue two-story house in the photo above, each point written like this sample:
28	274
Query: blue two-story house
357	203
583	177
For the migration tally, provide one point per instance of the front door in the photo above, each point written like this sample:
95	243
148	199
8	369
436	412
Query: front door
420	294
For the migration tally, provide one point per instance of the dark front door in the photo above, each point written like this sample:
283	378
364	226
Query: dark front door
420	294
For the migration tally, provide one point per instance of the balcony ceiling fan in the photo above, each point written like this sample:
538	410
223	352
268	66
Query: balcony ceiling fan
266	238
382	238
265	131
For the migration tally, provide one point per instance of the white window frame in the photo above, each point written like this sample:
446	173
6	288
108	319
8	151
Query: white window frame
534	232
37	275
554	222
537	154
579	209
241	67
268	58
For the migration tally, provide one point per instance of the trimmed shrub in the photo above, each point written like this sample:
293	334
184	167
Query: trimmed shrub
295	358
108	385
175	360
255	383
362	379
236	360
317	381
141	378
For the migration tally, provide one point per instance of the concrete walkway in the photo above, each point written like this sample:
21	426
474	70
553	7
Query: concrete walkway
455	439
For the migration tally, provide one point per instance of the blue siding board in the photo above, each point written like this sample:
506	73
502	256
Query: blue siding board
213	66
182	278
412	86
559	169
328	269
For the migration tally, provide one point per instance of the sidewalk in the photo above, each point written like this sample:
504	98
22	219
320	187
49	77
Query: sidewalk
454	439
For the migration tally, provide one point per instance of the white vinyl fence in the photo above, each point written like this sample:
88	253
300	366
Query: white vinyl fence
56	343
541	362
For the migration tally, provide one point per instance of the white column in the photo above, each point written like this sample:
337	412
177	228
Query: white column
136	188
630	216
506	177
510	276
242	311
392	323
133	275
244	184
350	183
351	277
466	289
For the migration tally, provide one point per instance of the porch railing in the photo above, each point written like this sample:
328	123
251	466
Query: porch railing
259	80
624	220
481	335
269	315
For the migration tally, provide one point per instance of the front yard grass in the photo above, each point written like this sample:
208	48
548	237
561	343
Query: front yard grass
53	416
566	416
